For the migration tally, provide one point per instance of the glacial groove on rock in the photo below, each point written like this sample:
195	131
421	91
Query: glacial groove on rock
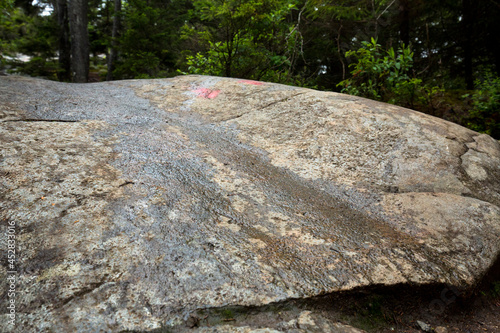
137	203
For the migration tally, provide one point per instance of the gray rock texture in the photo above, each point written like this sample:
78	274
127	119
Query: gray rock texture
138	203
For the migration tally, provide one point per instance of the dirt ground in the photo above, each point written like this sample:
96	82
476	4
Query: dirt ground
443	308
379	310
437	307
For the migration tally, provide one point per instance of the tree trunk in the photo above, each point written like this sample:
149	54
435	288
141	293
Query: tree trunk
404	22
79	40
64	45
467	45
114	43
494	33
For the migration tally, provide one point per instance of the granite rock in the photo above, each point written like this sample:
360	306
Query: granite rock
137	203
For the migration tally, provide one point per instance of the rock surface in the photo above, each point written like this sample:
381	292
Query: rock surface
138	203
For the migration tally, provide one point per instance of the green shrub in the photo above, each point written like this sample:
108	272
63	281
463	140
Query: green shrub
37	67
377	73
485	114
384	76
138	65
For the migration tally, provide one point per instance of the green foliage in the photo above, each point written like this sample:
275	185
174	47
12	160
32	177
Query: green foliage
149	38
379	74
495	289
203	65
100	23
339	9
141	61
34	36
39	67
6	8
385	76
30	35
139	65
11	29
247	39
485	114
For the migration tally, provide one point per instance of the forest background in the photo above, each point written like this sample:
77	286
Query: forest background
441	57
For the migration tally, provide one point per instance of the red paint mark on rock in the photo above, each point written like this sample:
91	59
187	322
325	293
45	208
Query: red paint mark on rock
206	93
255	83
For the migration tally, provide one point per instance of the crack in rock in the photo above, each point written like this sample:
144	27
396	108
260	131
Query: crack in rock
281	100
40	120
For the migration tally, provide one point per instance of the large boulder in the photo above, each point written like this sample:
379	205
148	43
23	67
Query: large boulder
135	204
